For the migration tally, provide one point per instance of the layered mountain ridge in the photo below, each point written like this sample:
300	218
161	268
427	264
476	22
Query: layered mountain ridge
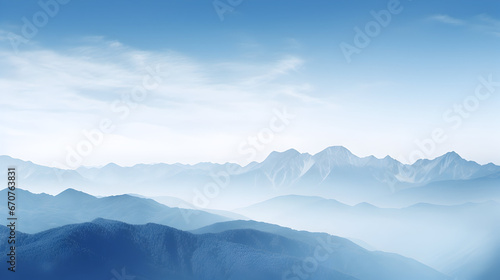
332	173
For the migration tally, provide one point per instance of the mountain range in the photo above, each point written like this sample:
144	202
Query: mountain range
442	213
332	173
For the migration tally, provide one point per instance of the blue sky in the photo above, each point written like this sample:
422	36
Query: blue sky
222	81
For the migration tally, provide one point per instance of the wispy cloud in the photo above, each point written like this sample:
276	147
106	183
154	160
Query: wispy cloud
482	23
278	69
49	97
489	24
447	19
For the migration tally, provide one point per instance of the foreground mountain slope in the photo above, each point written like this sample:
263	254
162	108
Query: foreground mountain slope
101	248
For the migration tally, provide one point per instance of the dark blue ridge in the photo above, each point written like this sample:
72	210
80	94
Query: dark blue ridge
105	249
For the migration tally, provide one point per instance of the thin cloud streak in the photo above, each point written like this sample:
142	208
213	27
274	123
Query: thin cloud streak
482	23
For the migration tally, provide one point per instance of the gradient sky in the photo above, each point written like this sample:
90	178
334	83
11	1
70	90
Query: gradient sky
222	81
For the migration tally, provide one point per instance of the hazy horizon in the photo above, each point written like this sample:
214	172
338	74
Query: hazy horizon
257	161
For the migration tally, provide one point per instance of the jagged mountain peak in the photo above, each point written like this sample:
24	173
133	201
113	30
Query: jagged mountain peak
336	155
454	160
283	155
452	156
289	158
337	150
